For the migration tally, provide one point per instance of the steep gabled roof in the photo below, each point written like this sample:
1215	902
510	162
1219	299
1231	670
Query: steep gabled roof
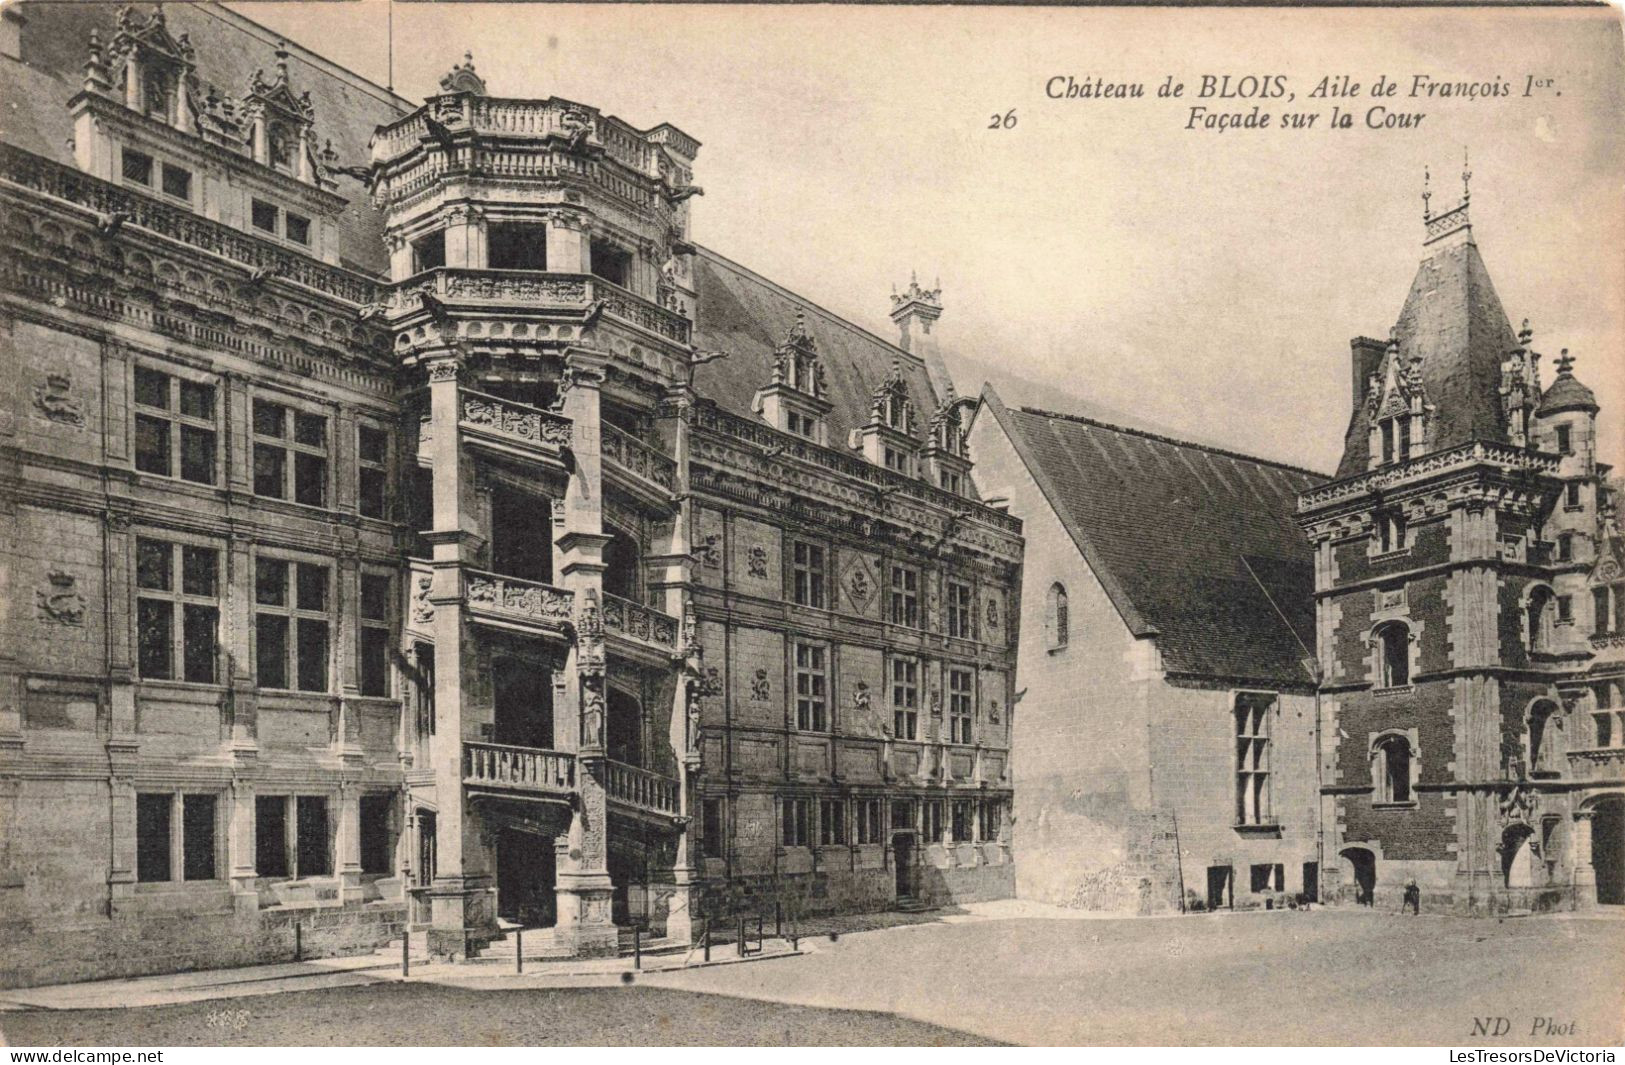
1194	545
748	316
1454	320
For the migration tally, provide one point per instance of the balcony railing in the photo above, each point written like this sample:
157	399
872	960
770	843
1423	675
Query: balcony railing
526	769
638	458
640	789
177	223
1504	455
513	599
537	290
626	306
623	617
511	422
519	118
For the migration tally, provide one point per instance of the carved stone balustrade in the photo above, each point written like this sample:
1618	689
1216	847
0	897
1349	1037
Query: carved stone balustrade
639	789
640	624
515	428
633	456
499	768
511	602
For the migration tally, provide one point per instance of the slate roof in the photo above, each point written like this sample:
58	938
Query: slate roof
1567	393
748	316
1454	319
1195	546
229	48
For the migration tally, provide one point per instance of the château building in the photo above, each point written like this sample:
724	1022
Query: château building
1166	756
408	525
1468	602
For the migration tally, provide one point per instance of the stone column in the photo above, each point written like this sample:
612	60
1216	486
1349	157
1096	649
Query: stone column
567	246
349	842
582	886
461	920
241	856
1585	874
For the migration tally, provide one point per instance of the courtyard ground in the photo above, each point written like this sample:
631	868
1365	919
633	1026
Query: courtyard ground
1003	973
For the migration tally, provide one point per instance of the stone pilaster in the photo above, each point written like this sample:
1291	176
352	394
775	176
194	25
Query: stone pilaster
1585	874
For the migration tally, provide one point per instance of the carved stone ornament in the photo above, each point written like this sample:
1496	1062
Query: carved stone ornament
860	583
761	689
422	609
992	613
53	400
756	561
60	602
709	552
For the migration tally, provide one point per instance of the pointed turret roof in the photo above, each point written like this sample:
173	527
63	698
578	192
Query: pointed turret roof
1566	393
1453	319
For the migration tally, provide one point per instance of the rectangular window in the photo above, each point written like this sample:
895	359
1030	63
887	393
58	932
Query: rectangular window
990	812
515	246
959	822
162	595
296	228
1565	547
280	615
1602	615
902	814
831	822
869	826
1404	439
263	215
1565	608
304	480
905	596
1565	443
152	832
375	615
174	417
377	842
177	182
1267	878
812	691
961	616
372	458
1571	494
952	482
797	822
711	828
905	698
429	251
809	575
312	855
271	835
933	821
423	658
198	819
959	705
136	167
1253	718
610	262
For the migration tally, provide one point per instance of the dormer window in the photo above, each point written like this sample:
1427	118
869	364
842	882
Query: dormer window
894	411
953	481
793	398
280	146
158	95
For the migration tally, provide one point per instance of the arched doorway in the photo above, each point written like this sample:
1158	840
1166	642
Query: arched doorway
1360	869
1608	849
1518	856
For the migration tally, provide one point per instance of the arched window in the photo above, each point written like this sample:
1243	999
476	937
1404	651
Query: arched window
1056	622
1545	733
1392	758
1394	655
1539	620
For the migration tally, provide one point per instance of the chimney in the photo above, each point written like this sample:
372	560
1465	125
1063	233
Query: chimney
11	32
916	310
1367	359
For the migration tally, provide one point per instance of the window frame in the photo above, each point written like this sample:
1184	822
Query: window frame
166	168
177	853
809	574
796	813
713	826
959	609
1387	678
178	600
903	600
961	704
126	155
1057	617
383	624
378	467
811	674
903	675
1253	717
832	822
293	614
175	421
869	821
291	448
1385	792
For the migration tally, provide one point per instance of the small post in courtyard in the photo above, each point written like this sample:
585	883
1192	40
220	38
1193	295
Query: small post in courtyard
298	941
519	950
705	938
406	951
637	946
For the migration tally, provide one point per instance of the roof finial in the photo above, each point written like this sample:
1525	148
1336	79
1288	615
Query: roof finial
1565	363
1427	193
1525	334
1466	176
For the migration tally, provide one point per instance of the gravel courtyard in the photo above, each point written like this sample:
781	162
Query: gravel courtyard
1325	977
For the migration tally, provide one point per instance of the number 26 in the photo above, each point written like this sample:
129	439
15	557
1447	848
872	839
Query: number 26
1004	121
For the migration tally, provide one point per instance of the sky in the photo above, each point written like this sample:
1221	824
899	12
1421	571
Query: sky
1203	282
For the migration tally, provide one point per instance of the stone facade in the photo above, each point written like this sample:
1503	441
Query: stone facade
1126	764
1467	568
441	540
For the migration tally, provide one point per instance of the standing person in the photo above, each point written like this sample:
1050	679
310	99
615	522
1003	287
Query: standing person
1413	899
